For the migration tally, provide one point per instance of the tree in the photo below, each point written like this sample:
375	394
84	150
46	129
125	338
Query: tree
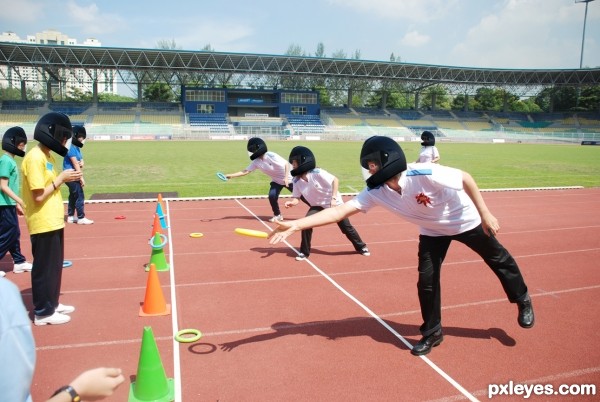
110	97
10	94
325	100
158	92
320	50
442	99
167	44
459	101
295	50
561	99
589	98
526	106
394	100
493	99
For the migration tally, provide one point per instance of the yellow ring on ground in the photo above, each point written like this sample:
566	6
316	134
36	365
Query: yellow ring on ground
179	337
196	235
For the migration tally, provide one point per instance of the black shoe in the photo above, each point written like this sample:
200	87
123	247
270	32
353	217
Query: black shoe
526	317
427	342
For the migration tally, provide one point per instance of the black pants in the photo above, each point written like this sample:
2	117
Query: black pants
46	275
274	191
344	225
10	234
432	251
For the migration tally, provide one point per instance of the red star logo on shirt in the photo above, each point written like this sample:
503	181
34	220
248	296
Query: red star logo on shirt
423	199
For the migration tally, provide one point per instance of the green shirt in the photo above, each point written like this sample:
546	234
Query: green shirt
8	170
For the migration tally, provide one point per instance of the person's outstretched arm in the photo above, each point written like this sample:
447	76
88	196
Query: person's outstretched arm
327	216
237	174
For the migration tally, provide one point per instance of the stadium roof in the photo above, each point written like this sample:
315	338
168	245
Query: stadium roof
215	68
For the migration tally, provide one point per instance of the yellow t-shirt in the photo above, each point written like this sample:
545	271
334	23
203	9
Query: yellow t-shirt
38	172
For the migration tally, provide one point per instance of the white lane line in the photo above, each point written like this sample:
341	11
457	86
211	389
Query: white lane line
259	329
174	312
443	374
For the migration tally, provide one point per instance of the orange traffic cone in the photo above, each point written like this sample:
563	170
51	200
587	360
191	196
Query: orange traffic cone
151	382
160	201
156	227
154	301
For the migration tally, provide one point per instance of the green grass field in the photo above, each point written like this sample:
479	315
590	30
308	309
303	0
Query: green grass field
189	167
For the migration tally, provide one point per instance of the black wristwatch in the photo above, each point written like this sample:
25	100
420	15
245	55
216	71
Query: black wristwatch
71	391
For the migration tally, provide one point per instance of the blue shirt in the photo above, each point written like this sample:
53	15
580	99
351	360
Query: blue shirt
74	151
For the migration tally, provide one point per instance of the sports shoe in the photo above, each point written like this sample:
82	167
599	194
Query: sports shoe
54	319
84	221
22	267
71	219
276	218
2	274
64	309
526	317
427	342
300	257
365	251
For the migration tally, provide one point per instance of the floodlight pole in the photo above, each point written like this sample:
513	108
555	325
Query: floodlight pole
584	23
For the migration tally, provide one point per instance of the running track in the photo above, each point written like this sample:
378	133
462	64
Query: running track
337	327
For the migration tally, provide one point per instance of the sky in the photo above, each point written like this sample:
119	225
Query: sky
523	34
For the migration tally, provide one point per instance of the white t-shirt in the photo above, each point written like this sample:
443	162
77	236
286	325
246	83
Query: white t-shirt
428	153
432	197
17	346
317	189
273	166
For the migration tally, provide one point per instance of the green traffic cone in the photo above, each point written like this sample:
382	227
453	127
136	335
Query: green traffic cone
151	382
158	255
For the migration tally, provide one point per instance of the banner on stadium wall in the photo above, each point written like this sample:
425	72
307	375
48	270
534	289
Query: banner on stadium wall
590	142
228	137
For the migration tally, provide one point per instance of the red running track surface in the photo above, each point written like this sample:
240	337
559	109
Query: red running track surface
333	328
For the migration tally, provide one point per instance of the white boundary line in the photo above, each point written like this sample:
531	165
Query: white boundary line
375	316
175	324
248	197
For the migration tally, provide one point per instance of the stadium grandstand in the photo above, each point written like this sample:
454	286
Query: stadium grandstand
235	96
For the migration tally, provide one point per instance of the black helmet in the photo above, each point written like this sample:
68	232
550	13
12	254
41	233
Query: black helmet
78	132
305	159
428	139
12	138
256	147
387	154
52	129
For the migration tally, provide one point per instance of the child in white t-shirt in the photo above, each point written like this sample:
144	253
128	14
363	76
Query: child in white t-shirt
429	152
271	164
447	205
319	189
